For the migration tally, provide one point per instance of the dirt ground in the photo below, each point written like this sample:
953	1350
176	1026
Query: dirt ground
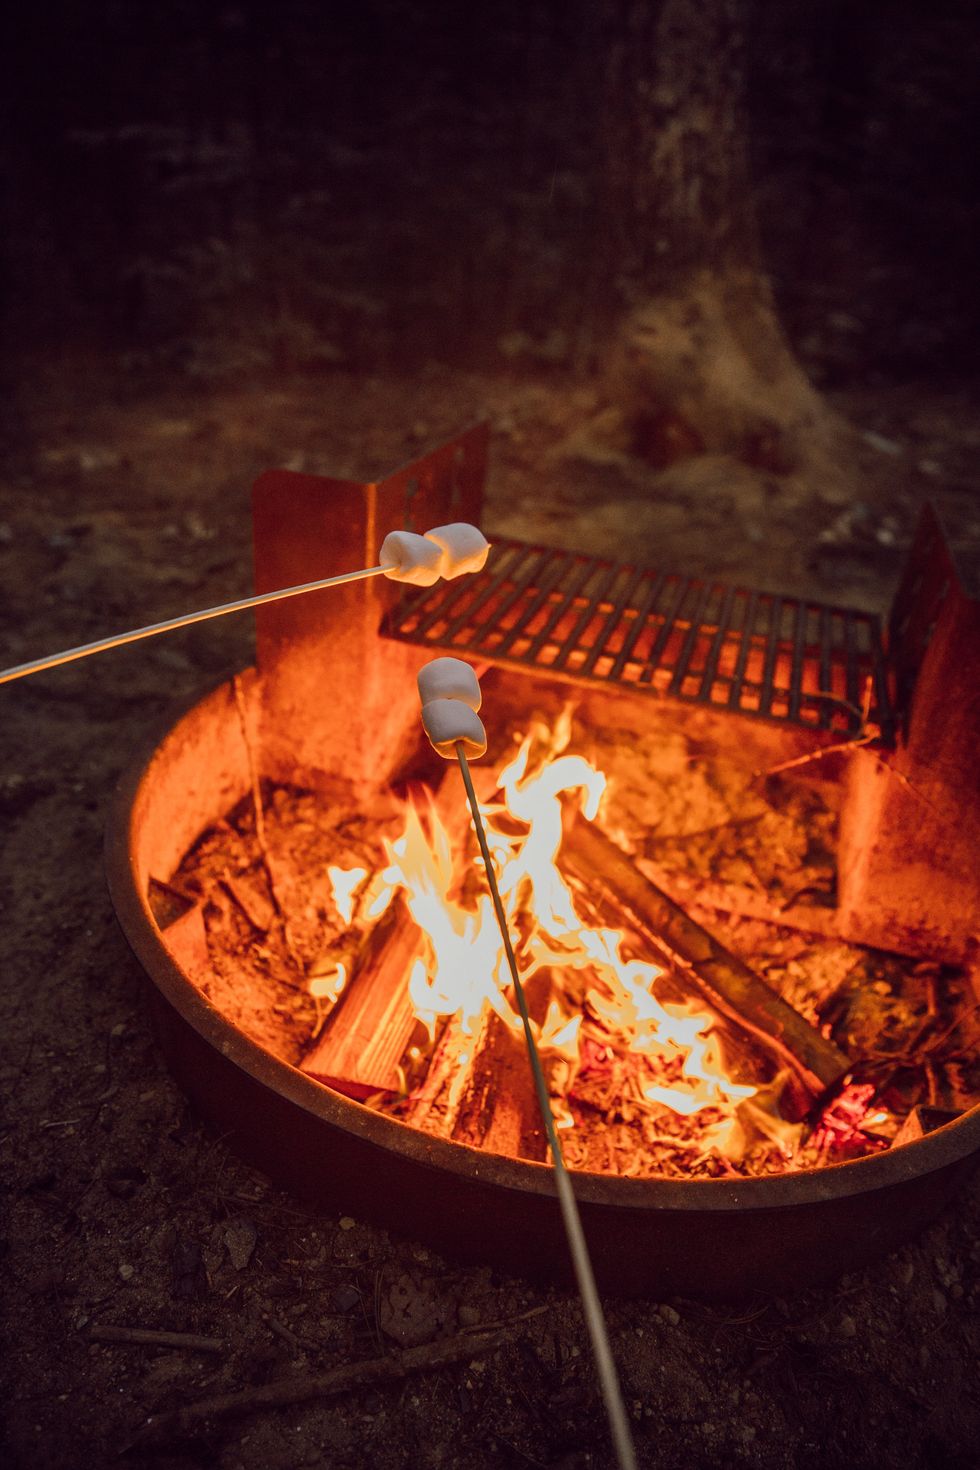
252	305
123	506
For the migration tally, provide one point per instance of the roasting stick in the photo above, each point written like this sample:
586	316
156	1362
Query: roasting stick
447	551
450	694
594	1319
117	640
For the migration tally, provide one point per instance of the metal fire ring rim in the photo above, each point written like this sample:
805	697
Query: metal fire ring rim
942	1148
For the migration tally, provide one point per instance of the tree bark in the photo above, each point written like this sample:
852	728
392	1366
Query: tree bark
693	359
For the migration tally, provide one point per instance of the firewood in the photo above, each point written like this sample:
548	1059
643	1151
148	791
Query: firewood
726	982
366	1034
498	1109
368	1030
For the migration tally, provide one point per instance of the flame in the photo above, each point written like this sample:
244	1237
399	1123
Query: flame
344	883
463	973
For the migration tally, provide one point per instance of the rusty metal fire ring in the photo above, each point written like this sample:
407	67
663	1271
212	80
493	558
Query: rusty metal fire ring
714	1238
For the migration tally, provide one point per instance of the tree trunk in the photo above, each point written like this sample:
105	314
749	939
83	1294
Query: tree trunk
696	364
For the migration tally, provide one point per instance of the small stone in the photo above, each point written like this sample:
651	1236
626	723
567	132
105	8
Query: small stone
905	1273
847	1327
118	1029
126	1272
240	1236
939	1303
668	1314
345	1298
346	1223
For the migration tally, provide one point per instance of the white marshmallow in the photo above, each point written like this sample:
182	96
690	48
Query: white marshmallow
449	720
450	678
464	549
410	558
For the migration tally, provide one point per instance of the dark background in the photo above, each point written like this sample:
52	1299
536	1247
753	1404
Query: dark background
317	184
323	236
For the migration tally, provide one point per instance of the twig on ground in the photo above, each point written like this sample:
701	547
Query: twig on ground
302	1389
154	1337
286	1333
253	774
863	737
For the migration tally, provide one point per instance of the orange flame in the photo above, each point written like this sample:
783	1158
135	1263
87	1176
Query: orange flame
464	972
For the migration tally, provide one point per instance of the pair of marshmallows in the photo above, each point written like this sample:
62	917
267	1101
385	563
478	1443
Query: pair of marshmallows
448	551
450	695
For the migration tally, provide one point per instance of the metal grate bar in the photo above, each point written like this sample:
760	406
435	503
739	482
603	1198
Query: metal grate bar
687	647
578	580
670	618
723	629
446	599
797	668
772	649
585	618
748	634
613	622
521	584
497	582
547	583
826	682
654	588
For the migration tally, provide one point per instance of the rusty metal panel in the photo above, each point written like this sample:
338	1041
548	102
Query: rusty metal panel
910	826
327	681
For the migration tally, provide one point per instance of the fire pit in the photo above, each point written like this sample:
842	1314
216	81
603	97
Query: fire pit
329	719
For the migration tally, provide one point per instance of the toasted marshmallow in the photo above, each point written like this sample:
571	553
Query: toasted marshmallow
464	549
449	678
410	558
447	721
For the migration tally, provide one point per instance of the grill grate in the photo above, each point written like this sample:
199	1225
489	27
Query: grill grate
579	617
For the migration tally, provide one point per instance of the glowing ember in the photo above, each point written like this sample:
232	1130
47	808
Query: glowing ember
843	1121
603	1013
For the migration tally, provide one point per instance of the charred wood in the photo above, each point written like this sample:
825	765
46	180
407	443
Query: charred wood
725	981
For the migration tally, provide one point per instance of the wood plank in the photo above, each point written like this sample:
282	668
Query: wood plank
364	1041
726	982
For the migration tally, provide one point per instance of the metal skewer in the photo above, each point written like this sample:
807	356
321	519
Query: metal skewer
594	1319
102	645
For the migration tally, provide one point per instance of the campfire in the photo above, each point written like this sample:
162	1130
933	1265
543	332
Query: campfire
409	1011
703	903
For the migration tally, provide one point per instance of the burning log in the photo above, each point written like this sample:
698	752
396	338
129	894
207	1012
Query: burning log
371	1025
726	982
498	1109
368	1030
